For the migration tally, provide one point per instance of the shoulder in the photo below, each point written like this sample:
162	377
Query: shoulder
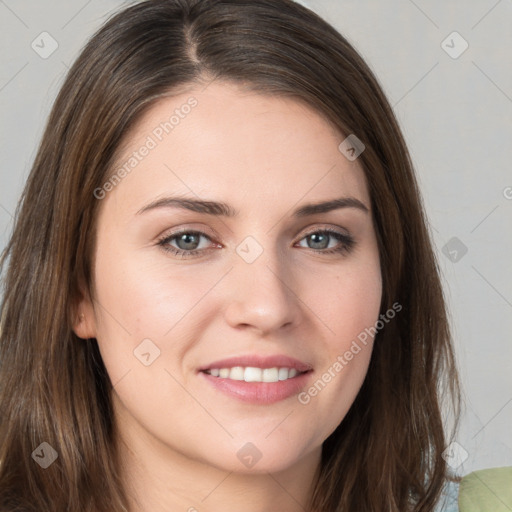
486	489
480	491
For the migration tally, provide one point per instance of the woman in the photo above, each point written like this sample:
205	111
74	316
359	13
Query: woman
220	290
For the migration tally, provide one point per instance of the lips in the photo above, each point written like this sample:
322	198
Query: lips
258	379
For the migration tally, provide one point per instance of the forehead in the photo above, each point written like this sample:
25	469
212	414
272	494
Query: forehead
228	142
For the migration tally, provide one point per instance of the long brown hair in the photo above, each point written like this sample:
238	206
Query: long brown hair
386	455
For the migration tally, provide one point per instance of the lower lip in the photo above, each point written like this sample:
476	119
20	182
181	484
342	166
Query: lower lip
261	393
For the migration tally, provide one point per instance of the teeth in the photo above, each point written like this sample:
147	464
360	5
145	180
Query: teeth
270	375
236	373
283	373
251	374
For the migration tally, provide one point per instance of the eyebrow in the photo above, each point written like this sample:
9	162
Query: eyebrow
224	210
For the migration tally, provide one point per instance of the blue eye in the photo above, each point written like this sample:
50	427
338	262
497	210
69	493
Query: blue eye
319	241
186	244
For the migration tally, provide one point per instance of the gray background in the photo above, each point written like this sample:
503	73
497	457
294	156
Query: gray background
456	114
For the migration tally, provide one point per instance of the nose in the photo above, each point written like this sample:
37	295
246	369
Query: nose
262	295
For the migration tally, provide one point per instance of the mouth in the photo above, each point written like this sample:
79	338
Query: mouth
256	379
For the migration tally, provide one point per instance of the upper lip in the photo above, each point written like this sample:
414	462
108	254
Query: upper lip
259	361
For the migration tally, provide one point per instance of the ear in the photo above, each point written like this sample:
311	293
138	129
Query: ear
83	319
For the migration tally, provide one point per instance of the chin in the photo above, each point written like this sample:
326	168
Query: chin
263	457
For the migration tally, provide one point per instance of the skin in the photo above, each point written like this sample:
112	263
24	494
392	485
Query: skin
265	157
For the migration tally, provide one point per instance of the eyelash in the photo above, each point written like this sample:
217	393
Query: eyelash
347	243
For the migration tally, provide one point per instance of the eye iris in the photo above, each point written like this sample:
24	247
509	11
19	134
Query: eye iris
190	240
318	240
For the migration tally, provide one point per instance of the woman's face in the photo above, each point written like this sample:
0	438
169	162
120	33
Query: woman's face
226	303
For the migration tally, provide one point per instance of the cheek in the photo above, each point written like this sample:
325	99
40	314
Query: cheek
139	300
349	307
147	297
348	303
143	301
